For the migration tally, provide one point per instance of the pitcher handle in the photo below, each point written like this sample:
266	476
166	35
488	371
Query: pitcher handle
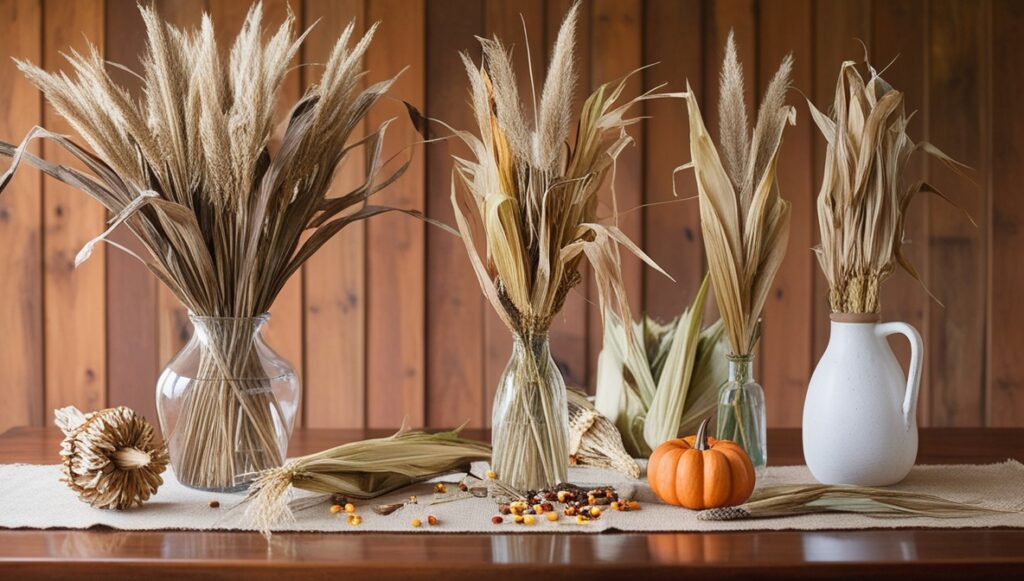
914	373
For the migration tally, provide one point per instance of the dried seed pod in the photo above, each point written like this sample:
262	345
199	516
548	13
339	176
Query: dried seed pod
112	457
594	440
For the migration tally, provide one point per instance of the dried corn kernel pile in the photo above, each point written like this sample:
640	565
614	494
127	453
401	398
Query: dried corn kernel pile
577	503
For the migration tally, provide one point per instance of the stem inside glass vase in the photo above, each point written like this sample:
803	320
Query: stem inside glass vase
741	411
530	433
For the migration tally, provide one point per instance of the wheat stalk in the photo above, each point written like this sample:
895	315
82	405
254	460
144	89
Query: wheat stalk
533	193
189	169
863	199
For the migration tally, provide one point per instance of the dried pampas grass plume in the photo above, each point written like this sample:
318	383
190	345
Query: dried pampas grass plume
112	458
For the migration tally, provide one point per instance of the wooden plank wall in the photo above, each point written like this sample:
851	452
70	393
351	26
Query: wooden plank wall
387	321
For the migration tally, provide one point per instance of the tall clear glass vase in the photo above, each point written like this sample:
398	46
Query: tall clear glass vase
530	421
227	404
741	413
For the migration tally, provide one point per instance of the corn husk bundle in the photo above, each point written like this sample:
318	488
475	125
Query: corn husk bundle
786	501
863	200
744	220
188	168
111	458
594	440
654	381
534	195
365	469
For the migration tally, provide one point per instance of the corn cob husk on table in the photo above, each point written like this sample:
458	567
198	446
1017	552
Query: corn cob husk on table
594	440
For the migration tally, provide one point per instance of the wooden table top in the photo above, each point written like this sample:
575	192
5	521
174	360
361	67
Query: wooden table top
102	553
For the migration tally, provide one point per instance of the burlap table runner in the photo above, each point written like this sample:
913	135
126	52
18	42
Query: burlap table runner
32	497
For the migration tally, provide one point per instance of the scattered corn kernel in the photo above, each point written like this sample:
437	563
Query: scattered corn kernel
580	519
432	520
528	519
416	523
591	500
552	516
633	505
335	508
614	505
538	509
412	499
441	487
355	520
595	512
492	474
570	510
350	508
497	519
518	519
561	496
463	487
214	504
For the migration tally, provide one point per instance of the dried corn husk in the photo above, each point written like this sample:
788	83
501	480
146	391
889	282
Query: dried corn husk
111	458
594	440
864	198
822	498
744	219
365	469
656	381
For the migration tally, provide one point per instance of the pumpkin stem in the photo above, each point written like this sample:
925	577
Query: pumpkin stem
700	441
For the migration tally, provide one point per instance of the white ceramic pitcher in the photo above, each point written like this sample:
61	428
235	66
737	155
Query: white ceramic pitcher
859	395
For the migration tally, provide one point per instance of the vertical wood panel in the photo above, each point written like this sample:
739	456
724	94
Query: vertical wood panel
569	329
132	346
395	244
75	347
21	306
957	254
786	340
505	19
837	26
673	37
335	293
455	307
617	49
1005	395
900	32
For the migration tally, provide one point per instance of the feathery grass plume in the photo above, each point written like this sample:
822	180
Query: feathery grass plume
783	501
654	381
188	169
863	199
534	195
364	469
744	219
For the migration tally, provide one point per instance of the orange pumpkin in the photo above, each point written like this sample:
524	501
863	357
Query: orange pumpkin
699	472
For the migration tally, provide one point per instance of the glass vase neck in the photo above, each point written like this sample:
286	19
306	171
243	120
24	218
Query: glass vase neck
741	368
538	343
205	326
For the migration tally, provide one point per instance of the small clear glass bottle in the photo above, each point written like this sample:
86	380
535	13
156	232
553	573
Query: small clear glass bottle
227	404
741	413
530	419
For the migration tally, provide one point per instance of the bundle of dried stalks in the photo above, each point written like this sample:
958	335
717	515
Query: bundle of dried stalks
744	219
657	381
188	169
783	501
535	198
363	469
863	200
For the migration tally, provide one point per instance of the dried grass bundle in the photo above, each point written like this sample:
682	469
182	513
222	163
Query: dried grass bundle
863	200
188	169
534	194
657	381
365	469
786	501
744	219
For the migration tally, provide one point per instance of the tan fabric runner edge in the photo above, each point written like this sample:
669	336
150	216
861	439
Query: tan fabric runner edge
31	496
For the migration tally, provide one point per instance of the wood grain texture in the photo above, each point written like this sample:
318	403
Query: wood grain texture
335	292
506	19
569	330
786	332
616	50
838	25
958	124
673	37
1005	389
75	320
21	232
899	32
396	278
133	350
454	302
